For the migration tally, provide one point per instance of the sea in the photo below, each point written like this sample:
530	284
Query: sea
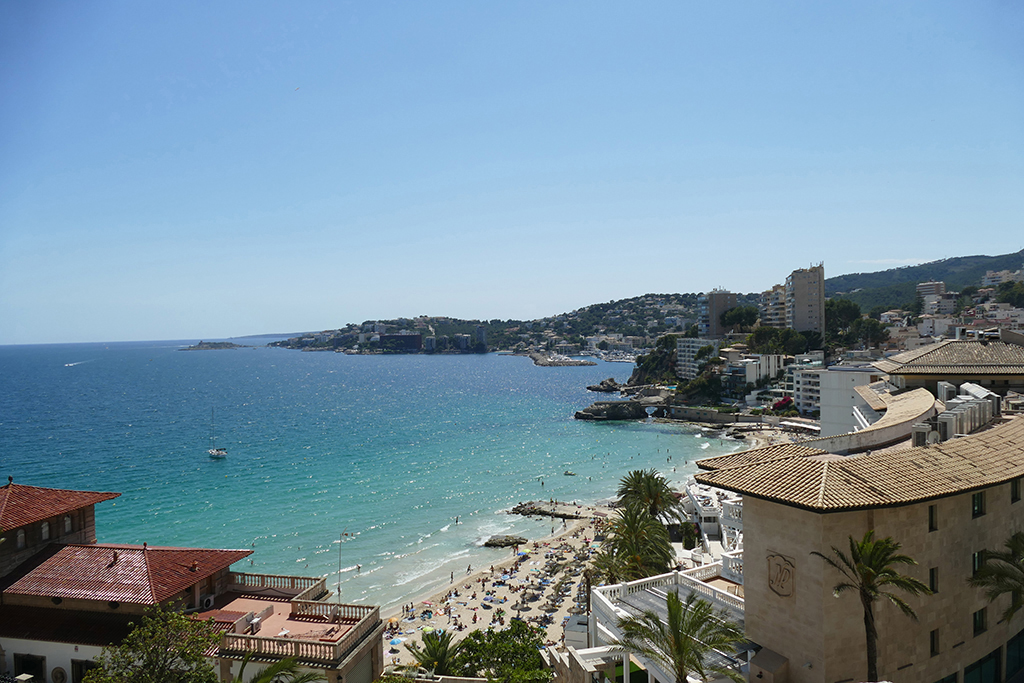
384	474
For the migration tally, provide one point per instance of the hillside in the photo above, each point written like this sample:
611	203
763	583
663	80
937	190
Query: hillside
896	286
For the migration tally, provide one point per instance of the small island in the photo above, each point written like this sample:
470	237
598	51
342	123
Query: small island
212	346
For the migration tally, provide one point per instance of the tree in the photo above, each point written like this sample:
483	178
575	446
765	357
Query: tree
508	656
164	646
437	654
681	644
868	331
639	545
1002	573
870	570
839	315
650	490
739	318
284	671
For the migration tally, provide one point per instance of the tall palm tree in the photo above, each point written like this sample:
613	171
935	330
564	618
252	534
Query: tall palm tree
1002	573
638	545
437	654
650	490
870	570
284	671
681	644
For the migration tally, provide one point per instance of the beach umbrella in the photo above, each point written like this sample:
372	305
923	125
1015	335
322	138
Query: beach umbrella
428	629
397	641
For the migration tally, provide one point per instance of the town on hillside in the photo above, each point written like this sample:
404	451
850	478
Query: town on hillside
866	528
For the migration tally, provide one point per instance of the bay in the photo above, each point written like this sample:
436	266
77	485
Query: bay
387	449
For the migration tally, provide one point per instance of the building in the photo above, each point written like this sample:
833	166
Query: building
946	504
63	597
842	408
687	348
773	307
710	307
805	299
994	278
931	289
995	365
480	334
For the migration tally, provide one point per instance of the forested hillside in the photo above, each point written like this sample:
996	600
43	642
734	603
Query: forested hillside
895	287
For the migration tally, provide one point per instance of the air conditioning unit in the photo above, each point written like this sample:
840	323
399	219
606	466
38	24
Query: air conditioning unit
206	601
920	432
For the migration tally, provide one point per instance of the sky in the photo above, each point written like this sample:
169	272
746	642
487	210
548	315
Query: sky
208	170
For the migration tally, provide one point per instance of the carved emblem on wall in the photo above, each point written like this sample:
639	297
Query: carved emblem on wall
780	574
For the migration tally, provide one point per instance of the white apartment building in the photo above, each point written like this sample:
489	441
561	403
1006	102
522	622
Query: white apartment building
686	351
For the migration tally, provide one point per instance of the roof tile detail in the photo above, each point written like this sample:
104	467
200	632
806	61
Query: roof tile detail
957	356
121	573
882	479
21	505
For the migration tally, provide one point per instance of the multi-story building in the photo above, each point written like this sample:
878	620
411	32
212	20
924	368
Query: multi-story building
710	307
773	307
946	504
995	365
931	289
63	597
687	367
805	299
994	278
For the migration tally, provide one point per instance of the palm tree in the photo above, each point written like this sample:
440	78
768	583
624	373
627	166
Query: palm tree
682	643
637	544
650	490
284	671
869	570
1003	572
437	653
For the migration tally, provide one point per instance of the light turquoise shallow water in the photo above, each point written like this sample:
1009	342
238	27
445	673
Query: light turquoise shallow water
389	449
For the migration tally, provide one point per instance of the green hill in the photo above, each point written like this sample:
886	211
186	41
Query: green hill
896	286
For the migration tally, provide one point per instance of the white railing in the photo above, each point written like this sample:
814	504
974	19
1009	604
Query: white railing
306	650
732	513
732	566
241	581
691	579
315	590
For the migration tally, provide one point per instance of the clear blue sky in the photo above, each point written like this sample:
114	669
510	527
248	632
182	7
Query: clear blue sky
204	170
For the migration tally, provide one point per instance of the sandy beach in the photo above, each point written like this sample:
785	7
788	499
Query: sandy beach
542	581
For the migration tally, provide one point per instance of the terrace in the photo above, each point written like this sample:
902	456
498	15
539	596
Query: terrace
288	616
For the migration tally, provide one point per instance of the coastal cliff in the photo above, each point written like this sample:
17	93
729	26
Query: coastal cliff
613	410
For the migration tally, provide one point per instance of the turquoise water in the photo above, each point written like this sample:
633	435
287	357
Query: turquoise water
387	449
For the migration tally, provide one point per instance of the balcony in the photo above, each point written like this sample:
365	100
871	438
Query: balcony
275	617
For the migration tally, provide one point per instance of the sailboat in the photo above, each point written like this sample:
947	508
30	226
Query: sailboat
215	452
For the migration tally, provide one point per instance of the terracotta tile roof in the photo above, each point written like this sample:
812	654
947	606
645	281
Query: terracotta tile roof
881	479
21	505
872	398
64	626
783	451
958	357
138	575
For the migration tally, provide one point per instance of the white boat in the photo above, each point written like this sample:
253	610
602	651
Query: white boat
216	453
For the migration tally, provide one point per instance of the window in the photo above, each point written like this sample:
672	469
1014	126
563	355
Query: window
45	528
980	623
21	539
978	504
985	670
67	524
1015	654
80	667
951	678
30	664
1015	490
977	560
933	518
934	636
933	579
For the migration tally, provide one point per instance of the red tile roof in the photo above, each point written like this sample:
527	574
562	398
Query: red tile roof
120	573
21	505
